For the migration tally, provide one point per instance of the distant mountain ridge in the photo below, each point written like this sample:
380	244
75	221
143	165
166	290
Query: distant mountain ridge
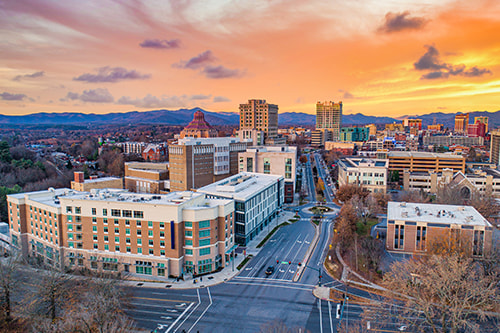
182	117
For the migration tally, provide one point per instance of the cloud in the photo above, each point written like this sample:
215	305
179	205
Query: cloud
395	22
441	70
12	97
221	72
150	101
112	74
348	95
220	99
161	43
99	95
199	61
442	107
28	76
199	97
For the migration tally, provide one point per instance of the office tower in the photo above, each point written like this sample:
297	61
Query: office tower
495	148
329	117
461	123
258	116
482	120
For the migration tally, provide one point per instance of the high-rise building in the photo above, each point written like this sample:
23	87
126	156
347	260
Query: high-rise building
461	123
495	148
198	128
351	134
258	116
476	129
413	123
329	116
482	120
196	162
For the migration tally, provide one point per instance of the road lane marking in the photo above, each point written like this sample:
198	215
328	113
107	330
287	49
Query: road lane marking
183	312
330	314
320	316
201	316
158	299
270	285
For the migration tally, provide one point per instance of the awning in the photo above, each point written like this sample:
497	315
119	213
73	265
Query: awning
231	249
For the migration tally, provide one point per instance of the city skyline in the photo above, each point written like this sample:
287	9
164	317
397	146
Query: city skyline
378	58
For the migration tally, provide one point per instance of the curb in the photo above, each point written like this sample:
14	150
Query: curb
308	253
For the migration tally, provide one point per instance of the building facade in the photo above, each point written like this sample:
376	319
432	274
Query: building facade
114	230
371	174
447	141
461	123
411	227
354	134
277	160
198	128
329	116
81	184
413	123
258	199
482	120
146	177
196	162
422	161
155	152
495	148
259	115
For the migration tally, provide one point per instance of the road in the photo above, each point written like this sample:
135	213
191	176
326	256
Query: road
324	174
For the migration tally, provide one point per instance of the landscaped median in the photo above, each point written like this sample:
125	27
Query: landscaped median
271	233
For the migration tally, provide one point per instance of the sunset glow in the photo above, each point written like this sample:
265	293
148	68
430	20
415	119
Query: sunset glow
386	58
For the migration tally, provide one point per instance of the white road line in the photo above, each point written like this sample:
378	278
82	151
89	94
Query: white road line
330	314
183	312
320	316
269	285
201	316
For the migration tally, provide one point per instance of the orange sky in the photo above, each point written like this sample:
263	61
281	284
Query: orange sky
379	57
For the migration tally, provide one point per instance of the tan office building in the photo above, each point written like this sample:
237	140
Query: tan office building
423	161
146	177
114	230
81	184
276	160
495	148
196	162
259	115
461	123
329	116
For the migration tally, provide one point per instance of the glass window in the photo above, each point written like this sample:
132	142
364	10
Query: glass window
204	233
104	212
204	224
150	224
94	228
189	233
78	210
189	252
69	209
204	251
189	242
205	242
115	212
94	211
162	225
138	214
188	224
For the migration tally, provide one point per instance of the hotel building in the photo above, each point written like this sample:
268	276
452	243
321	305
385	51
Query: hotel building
329	116
256	117
113	230
371	174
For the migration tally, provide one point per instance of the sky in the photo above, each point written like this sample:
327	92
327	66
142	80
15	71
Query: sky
379	57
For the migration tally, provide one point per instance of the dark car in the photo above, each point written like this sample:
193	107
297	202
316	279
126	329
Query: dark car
270	270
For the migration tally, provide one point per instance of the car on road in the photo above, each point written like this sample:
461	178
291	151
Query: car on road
270	270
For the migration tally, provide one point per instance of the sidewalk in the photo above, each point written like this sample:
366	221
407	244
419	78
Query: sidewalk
215	278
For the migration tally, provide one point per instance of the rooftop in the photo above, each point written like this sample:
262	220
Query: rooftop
420	154
435	213
241	186
208	141
103	179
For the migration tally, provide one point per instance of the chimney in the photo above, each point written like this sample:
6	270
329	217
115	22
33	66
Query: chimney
79	177
94	177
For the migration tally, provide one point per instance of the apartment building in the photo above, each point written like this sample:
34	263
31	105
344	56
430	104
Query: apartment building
329	116
371	174
423	161
258	198
146	177
411	226
131	147
413	123
143	235
495	148
81	184
276	160
196	162
352	134
320	136
259	115
447	140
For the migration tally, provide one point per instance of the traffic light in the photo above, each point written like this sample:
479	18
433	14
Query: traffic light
289	263
300	264
277	262
320	276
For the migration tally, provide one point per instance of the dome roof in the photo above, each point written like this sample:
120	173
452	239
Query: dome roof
199	122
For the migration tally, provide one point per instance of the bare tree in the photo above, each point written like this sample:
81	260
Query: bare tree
346	192
413	196
8	269
345	225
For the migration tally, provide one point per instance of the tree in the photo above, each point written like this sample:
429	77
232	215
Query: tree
303	159
443	293
346	192
5	152
8	283
346	225
365	207
413	196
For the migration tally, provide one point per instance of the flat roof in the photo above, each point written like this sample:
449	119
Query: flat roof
421	154
241	186
103	179
435	213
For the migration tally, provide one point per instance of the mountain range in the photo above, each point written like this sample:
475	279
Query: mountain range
183	116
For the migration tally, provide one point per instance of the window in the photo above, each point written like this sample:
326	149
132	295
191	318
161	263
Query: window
162	234
105	221
151	251
70	236
161	271
69	218
139	250
94	238
162	225
116	212
127	213
421	236
189	242
399	231
94	220
116	222
106	238
204	233
138	214
150	224
267	166
94	211
104	212
151	242
162	243
150	233
94	228
69	209
127	240
139	241
78	219
204	224
127	231
189	252
162	252
105	230
128	249
188	224
138	223
70	227
205	242
139	232
117	239
71	244
189	233
117	230
78	210
127	222
204	251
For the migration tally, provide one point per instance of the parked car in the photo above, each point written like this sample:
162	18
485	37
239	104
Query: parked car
270	270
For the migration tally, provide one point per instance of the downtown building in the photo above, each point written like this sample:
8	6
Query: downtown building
495	148
146	236
259	122
276	160
257	200
371	174
329	118
196	162
146	177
